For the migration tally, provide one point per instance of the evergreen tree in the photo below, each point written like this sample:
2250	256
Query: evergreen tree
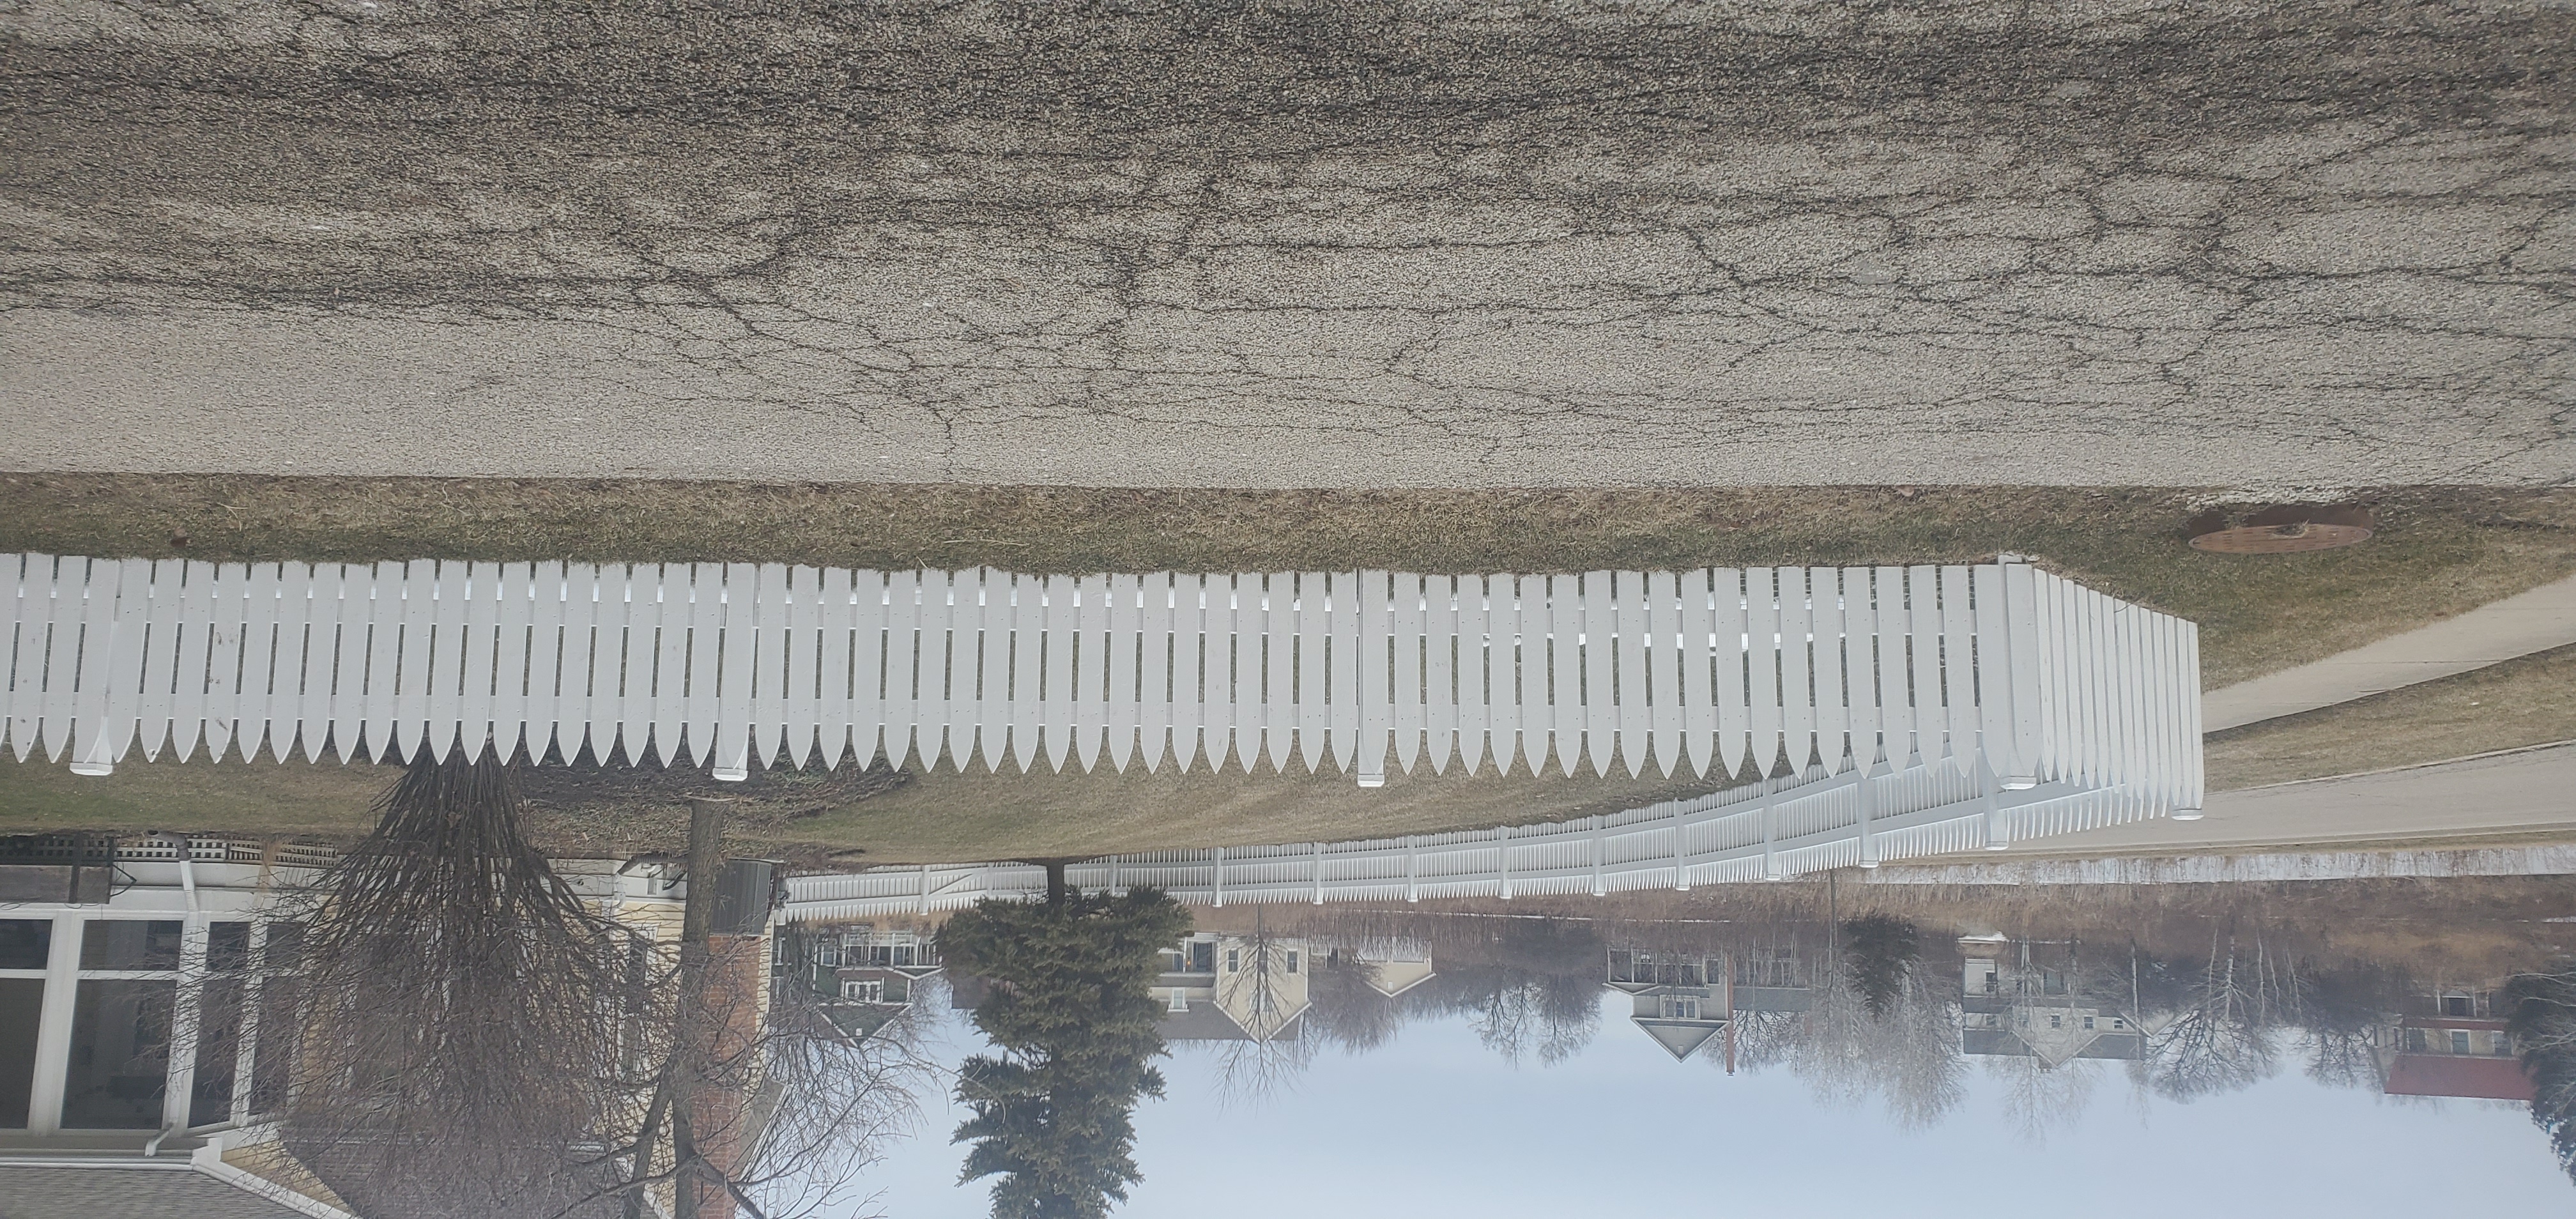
1066	1003
1883	949
2544	1031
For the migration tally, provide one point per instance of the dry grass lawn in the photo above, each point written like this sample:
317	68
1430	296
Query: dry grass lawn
2529	701
941	815
2439	552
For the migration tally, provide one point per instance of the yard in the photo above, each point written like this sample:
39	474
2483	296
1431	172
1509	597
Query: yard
2438	552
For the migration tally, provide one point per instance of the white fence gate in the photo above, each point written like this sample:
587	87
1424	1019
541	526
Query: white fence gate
1998	668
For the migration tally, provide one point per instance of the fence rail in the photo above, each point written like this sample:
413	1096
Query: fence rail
1682	673
1766	831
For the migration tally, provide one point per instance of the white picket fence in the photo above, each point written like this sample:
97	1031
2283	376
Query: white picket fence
1764	831
1998	666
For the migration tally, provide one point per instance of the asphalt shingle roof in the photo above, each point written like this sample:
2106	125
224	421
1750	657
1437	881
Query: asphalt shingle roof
127	1193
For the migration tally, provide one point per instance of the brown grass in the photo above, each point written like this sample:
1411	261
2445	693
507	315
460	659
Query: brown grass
941	815
2529	701
2438	552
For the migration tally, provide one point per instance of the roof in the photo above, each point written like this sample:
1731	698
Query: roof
2070	1044
1206	1021
1680	1037
2455	1075
128	1193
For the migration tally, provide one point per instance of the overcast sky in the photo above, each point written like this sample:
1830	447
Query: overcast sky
1433	1124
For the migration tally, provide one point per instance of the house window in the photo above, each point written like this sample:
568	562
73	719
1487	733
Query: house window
869	991
117	944
21	1005
2088	1022
2057	1022
2118	1023
120	1061
1233	960
1681	1007
25	942
2456	1005
2459	1041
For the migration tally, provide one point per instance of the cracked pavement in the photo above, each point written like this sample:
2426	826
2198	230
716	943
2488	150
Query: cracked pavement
1303	244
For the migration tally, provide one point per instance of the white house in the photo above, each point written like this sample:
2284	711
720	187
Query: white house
1685	1000
2016	1003
1218	986
140	988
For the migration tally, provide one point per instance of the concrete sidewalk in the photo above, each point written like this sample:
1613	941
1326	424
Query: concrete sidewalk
2535	621
2524	791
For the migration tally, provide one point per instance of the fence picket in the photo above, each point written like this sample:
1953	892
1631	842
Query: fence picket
1658	672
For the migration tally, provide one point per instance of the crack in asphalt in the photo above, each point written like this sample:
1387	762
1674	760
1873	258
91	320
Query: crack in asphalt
1265	245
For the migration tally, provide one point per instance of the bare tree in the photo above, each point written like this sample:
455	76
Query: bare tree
479	1040
1893	1037
2038	1096
1349	1009
2221	1039
462	1040
1922	1074
757	1102
1263	990
1549	1017
2341	1013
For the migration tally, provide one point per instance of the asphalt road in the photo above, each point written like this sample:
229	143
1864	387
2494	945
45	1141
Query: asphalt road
1354	244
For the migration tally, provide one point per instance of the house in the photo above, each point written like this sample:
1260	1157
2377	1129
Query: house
140	1017
1393	964
1685	1000
1227	987
1682	1001
2451	1043
135	979
861	965
2026	1000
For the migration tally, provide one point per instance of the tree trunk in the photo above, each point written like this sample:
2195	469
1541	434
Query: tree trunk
697	922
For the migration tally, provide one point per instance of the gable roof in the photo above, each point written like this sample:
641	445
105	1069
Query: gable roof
1206	1021
1680	1038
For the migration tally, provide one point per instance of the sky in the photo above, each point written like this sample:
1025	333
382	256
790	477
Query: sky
1434	1124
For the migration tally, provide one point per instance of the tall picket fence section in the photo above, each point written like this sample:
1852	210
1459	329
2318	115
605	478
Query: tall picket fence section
1996	669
